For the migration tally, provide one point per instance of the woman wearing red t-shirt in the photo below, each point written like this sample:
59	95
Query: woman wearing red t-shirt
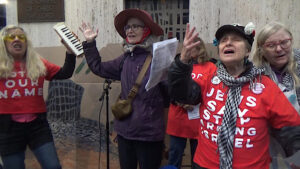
238	102
22	107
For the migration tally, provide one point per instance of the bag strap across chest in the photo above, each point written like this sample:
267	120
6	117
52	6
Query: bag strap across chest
139	79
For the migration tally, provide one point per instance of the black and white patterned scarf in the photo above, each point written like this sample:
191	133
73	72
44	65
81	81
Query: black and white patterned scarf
228	127
146	44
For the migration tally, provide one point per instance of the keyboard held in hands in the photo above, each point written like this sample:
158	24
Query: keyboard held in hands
69	38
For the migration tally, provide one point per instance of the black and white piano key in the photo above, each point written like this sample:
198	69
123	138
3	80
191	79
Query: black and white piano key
69	38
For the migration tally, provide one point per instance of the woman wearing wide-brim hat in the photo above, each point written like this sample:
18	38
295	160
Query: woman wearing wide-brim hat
140	135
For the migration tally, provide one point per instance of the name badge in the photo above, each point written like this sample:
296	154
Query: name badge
258	88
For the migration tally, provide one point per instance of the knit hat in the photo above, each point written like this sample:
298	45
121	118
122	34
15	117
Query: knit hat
247	32
122	18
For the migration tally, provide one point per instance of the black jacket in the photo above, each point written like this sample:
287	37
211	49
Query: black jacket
182	87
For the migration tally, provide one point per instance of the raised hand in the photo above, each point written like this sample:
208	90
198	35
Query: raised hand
188	44
88	32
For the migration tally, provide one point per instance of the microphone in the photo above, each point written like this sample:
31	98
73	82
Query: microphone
106	87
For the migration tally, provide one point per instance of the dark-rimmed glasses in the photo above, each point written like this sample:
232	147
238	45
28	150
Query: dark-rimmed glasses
286	43
133	27
11	37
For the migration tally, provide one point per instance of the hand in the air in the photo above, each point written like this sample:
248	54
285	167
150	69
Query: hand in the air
188	44
88	32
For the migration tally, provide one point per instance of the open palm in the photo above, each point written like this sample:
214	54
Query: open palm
188	44
88	32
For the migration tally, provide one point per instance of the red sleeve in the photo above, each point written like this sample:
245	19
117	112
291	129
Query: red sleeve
51	69
204	71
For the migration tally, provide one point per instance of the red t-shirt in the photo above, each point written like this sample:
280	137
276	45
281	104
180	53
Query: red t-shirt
19	94
263	106
178	122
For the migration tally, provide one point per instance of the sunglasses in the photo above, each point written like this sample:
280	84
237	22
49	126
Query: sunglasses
11	37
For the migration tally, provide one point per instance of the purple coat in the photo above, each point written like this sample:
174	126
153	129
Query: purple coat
146	123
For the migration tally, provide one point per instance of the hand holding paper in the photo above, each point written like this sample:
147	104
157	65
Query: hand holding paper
163	55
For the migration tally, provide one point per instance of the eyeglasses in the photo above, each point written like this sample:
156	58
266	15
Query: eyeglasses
283	44
11	37
133	27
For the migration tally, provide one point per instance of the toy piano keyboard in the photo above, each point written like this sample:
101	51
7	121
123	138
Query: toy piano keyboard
72	42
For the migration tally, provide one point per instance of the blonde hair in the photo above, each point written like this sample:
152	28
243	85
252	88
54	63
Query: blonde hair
258	58
35	67
202	55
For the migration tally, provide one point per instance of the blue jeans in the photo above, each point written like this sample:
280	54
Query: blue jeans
45	154
177	146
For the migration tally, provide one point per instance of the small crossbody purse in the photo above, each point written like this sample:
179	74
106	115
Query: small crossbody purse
123	107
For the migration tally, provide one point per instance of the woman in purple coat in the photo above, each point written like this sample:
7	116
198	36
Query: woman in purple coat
140	135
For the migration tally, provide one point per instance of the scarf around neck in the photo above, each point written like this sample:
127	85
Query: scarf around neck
228	127
286	85
287	79
146	44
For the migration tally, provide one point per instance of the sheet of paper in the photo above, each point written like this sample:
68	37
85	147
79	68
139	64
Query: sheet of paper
194	114
163	55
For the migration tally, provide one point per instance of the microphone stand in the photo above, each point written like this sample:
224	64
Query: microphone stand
106	94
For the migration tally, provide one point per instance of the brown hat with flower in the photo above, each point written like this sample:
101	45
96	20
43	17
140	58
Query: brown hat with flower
122	18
